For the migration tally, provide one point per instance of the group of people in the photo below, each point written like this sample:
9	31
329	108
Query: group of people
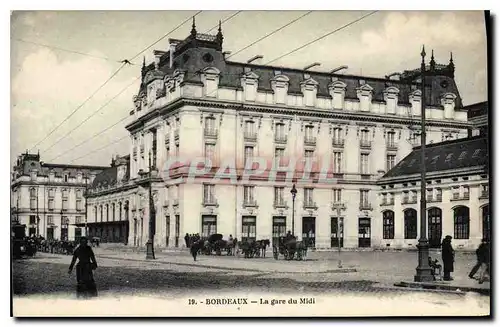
482	256
191	239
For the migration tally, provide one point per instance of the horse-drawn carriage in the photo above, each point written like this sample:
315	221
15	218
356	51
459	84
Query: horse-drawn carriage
290	248
251	249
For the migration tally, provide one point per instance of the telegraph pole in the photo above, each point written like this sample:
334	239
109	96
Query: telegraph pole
86	209
423	269
37	216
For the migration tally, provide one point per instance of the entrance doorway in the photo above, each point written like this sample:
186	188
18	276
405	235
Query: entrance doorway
279	228
50	233
309	231
336	235
78	234
435	227
364	232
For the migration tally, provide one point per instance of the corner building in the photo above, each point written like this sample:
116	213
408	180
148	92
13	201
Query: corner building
193	102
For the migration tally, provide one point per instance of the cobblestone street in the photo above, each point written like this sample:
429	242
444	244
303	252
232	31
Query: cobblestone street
175	275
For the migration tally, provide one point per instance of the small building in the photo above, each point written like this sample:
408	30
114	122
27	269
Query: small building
457	194
50	198
109	203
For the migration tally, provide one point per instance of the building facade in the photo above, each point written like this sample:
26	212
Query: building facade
457	194
50	198
194	103
108	200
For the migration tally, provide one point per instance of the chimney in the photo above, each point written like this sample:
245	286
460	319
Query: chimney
172	50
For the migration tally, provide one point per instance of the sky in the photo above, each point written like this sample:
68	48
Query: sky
48	84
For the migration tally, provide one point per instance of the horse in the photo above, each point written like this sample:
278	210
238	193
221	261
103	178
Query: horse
262	245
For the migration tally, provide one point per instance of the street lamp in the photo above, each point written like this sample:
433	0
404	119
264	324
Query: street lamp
339	207
423	270
150	252
294	194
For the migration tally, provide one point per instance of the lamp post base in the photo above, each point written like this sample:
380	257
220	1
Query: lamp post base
150	252
424	271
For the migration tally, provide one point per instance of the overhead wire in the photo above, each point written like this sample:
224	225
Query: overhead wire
66	50
305	45
225	20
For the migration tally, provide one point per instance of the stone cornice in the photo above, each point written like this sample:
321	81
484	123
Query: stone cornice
111	191
278	109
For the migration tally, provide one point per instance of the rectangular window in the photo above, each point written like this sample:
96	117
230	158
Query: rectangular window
406	197
65	204
52	193
391	136
209	194
309	133
78	219
338	138
337	195
50	220
337	162
430	194
78	204
248	194
391	161
65	193
279	153
365	163
32	220
466	192
279	196
439	195
308	197
32	203
280	132
51	204
309	153
209	225
210	125
456	193
248	154
248	228
384	198
365	137
414	196
363	198
210	151
249	128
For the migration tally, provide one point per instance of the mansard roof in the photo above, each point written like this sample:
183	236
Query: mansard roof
109	176
444	156
194	54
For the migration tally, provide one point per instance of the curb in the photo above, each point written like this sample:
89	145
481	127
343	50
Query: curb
445	287
343	270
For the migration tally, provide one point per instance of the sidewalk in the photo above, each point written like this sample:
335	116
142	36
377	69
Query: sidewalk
459	284
235	263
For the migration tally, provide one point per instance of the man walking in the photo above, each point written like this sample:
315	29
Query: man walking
483	257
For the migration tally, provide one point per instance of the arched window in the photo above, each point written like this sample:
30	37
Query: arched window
461	219
388	224
410	223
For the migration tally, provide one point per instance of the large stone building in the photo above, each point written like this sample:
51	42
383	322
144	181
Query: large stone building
193	102
50	198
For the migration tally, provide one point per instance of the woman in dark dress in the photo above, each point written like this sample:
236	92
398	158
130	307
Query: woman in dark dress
448	256
86	286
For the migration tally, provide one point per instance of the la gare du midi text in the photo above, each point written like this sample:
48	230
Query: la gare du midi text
242	301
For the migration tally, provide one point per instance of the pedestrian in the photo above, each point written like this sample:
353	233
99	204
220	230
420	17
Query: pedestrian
186	239
195	248
86	286
448	256
481	258
230	244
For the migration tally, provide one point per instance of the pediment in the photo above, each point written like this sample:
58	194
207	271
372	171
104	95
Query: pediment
337	85
281	78
416	93
211	71
391	90
448	96
309	81
250	75
365	88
